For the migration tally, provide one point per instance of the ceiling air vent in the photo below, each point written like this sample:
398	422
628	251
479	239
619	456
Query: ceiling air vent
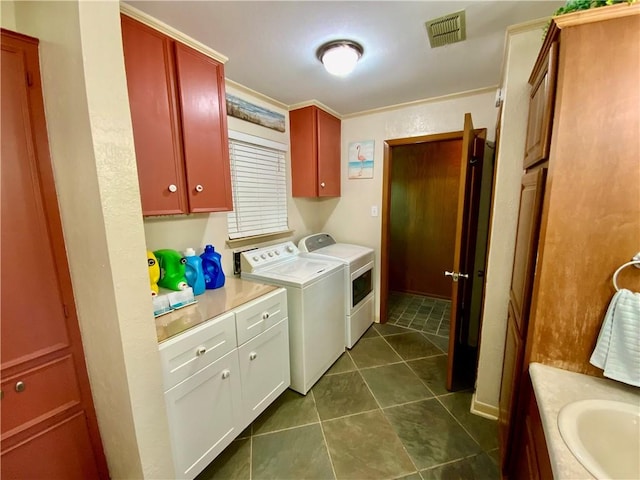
447	29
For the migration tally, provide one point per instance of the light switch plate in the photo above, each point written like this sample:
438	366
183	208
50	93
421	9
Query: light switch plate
374	210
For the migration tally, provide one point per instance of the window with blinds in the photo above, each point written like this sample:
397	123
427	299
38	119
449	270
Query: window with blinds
259	186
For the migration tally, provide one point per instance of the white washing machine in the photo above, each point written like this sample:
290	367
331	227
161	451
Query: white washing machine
359	292
315	301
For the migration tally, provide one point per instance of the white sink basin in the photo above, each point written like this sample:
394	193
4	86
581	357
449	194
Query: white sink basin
604	435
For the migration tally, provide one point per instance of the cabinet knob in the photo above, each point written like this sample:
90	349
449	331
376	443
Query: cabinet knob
173	188
201	351
225	374
322	184
199	188
20	386
253	356
265	315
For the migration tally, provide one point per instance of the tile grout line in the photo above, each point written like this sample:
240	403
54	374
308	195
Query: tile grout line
417	470
324	436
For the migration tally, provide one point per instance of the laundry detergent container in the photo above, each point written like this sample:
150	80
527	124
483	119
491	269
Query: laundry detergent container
212	268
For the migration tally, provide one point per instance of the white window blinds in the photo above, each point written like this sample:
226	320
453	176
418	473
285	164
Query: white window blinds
259	186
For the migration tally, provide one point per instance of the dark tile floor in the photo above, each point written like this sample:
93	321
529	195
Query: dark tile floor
418	312
380	412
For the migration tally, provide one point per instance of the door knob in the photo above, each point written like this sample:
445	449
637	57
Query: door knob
20	386
253	356
225	374
322	184
455	275
173	188
199	188
201	351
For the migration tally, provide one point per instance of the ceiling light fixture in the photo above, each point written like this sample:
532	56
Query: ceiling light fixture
339	57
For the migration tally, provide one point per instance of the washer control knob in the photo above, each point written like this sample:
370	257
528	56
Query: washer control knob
263	256
277	252
289	249
271	254
256	258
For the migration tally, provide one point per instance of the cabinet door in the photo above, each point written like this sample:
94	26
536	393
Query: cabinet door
511	368
149	64
315	153
49	427
203	413
204	129
304	140
543	87
328	155
264	369
531	198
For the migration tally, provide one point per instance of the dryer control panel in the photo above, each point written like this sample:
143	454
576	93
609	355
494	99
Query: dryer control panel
252	260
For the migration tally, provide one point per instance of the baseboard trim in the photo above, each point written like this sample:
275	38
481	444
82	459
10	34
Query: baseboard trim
483	409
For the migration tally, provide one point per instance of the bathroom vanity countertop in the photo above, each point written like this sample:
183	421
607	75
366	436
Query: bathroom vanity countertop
554	388
209	305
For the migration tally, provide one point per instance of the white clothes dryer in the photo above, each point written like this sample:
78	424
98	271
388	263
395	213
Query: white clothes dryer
315	301
359	291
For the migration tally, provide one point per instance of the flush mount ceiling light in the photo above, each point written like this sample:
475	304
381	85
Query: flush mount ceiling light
339	57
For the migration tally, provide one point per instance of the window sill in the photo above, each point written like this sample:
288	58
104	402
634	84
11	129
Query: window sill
247	241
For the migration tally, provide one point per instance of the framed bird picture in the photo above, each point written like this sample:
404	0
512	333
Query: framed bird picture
361	159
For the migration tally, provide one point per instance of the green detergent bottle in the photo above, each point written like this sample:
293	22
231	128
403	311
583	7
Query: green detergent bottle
172	269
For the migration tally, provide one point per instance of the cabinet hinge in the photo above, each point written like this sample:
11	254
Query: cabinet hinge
29	79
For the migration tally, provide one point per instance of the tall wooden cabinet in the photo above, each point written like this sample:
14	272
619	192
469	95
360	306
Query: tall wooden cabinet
315	153
589	220
179	116
49	426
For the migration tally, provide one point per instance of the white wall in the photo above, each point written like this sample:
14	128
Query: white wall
197	230
521	51
91	143
351	219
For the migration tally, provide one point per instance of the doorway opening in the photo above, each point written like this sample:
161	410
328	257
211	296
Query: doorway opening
437	193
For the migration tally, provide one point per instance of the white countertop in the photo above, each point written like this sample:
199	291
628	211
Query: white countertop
554	388
209	305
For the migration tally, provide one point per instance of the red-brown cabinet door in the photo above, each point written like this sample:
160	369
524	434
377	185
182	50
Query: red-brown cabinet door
49	427
328	155
304	165
149	64
204	130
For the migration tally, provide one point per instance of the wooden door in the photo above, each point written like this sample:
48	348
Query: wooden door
149	63
462	357
328	155
204	130
524	261
49	427
424	194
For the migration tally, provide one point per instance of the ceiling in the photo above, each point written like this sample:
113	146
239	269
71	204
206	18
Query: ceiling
271	46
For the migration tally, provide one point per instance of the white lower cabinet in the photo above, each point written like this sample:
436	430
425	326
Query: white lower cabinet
221	396
204	414
264	369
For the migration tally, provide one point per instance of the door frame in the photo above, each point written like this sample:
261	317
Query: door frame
386	206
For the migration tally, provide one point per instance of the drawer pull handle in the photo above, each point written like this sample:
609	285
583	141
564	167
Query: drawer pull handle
20	386
226	374
199	188
201	351
265	315
253	356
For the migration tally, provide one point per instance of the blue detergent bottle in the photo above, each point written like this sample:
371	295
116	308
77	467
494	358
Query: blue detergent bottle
212	267
194	272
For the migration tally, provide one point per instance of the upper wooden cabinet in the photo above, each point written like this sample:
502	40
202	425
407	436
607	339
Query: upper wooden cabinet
543	89
590	215
315	153
179	117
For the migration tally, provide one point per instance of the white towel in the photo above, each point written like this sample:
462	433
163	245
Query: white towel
617	350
